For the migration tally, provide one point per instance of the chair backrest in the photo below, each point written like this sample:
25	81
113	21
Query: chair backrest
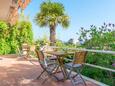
25	47
41	59
79	57
46	48
40	55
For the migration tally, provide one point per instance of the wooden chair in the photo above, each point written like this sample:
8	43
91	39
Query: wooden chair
48	67
48	48
76	64
23	52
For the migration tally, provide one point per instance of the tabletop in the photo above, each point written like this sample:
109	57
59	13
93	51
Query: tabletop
59	53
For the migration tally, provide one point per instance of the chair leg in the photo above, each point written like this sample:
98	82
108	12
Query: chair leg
73	84
52	74
83	80
40	74
78	71
56	69
78	74
45	80
69	74
49	75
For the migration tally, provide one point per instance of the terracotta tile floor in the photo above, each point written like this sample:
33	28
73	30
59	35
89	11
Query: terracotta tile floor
23	73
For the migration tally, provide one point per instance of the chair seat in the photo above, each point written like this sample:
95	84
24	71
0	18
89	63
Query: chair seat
53	58
48	63
69	65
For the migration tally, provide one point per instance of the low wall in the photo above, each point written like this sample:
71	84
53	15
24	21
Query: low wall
9	56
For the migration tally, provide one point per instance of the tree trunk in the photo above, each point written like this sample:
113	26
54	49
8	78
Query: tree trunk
52	35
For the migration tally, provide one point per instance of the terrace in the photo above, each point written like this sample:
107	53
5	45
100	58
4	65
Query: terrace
15	72
23	73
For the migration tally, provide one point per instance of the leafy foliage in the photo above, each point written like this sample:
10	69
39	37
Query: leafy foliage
52	13
4	37
41	42
11	37
102	38
25	34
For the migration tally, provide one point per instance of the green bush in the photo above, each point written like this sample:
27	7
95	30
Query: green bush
99	38
4	37
12	37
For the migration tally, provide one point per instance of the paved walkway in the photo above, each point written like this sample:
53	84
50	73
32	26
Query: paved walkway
23	73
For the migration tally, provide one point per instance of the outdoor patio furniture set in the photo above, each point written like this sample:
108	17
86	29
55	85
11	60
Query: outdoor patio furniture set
51	66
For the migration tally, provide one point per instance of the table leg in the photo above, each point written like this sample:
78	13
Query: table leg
63	69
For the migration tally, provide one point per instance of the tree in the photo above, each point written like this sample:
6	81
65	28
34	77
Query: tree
51	14
70	41
99	37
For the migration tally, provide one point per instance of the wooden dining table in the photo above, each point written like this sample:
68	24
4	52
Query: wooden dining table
60	59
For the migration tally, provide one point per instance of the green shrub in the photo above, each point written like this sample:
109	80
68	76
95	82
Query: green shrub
12	37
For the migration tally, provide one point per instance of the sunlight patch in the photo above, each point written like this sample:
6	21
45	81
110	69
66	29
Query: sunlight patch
26	81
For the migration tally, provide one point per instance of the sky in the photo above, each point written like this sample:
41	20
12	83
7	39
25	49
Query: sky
82	13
